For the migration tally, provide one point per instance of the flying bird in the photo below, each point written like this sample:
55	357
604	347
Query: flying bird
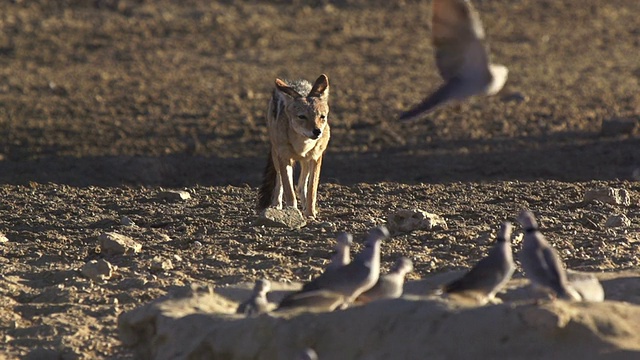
307	354
462	57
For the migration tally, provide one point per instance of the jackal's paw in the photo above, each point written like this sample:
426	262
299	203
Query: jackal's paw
494	301
310	213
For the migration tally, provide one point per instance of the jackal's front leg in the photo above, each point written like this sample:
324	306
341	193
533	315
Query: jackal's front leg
286	177
312	189
303	184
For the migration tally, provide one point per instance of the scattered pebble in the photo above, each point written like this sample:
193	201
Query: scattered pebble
197	243
161	236
126	221
515	96
160	264
409	220
618	221
608	195
116	244
327	225
592	222
173	195
3	238
97	270
288	217
132	283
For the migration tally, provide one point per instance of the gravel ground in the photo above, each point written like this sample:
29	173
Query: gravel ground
103	104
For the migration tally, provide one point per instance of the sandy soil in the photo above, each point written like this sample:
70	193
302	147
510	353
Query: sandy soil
103	102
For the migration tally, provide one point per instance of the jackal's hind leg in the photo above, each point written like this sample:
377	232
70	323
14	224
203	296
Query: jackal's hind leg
276	196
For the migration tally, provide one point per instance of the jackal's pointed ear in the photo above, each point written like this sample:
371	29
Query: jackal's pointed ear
320	87
283	87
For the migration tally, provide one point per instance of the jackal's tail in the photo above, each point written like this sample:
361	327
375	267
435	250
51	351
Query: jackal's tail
265	194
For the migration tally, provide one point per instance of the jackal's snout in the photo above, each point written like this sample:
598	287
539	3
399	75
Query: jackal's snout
316	133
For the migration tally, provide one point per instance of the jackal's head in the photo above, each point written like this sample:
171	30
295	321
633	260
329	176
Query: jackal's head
308	115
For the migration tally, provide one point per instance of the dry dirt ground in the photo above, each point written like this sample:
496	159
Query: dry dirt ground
102	102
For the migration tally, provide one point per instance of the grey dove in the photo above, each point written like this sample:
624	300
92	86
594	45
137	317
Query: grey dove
586	285
343	255
354	278
389	286
257	303
324	300
318	300
541	263
462	57
491	273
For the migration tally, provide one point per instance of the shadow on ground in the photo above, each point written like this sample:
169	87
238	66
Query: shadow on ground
564	157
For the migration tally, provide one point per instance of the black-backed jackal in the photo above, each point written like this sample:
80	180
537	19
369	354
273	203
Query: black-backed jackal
297	121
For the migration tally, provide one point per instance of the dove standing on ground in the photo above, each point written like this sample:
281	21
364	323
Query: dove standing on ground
389	286
342	256
351	280
462	57
491	273
257	303
541	263
587	285
317	300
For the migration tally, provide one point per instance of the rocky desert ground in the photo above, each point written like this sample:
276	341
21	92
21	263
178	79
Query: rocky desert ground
105	105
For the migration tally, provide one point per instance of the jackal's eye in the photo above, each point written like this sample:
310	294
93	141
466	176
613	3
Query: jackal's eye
302	117
323	117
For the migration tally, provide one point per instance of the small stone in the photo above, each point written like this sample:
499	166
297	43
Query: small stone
616	127
592	221
3	238
288	217
327	226
161	236
132	283
515	96
126	221
160	264
609	196
116	244
97	270
57	89
174	195
409	220
618	221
